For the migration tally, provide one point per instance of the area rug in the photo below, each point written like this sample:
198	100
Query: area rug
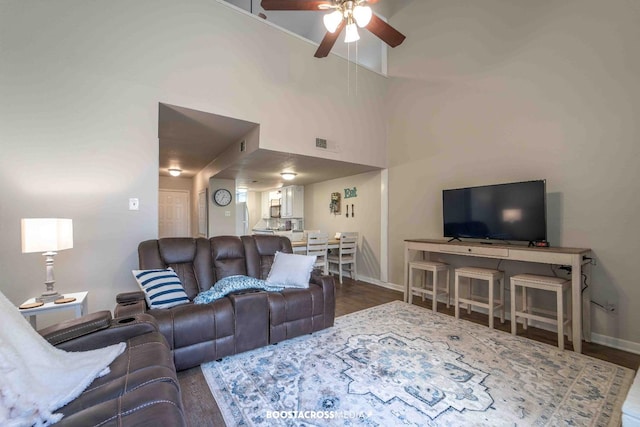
399	364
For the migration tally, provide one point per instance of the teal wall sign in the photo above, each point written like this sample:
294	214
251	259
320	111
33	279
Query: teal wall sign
350	192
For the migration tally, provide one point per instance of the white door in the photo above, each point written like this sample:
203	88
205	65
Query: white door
173	212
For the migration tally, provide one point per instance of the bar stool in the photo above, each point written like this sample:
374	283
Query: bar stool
492	277
434	268
545	283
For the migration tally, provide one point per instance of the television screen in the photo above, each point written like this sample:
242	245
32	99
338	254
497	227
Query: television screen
514	211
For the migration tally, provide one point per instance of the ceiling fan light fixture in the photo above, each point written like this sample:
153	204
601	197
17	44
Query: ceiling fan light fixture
332	20
351	34
288	176
362	15
175	172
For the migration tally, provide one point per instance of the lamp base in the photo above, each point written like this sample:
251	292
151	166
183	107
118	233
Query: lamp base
49	296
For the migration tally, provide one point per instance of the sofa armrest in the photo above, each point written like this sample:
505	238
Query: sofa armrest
126	297
130	304
97	330
327	283
321	280
72	329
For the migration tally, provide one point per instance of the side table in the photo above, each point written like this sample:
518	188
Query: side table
79	306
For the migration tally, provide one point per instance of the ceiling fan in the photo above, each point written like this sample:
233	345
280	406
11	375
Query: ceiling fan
348	14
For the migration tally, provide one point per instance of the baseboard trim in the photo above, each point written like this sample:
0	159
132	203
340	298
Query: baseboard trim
617	343
613	342
380	283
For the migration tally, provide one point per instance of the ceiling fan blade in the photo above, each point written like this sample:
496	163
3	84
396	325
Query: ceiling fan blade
328	41
384	31
293	4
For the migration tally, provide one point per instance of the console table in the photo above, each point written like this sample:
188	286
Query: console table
574	257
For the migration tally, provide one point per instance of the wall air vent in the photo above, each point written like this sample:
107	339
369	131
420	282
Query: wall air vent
321	143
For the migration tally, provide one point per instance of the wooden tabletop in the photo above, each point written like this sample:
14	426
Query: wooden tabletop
301	243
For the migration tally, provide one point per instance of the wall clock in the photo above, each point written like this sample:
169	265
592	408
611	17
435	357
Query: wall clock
222	197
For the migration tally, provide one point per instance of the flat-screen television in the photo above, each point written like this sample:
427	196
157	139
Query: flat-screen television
514	211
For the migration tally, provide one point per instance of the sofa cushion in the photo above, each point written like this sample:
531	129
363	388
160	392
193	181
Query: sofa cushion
228	257
291	270
260	250
162	287
189	258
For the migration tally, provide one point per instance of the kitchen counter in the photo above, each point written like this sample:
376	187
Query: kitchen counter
294	236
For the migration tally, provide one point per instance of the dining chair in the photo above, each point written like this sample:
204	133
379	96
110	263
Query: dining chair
305	233
317	245
347	249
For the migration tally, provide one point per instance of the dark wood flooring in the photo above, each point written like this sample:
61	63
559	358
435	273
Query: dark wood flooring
202	410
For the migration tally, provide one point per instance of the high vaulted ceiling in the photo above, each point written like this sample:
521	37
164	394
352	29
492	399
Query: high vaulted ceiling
190	139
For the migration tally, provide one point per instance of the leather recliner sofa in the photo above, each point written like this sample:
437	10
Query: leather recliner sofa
241	321
141	388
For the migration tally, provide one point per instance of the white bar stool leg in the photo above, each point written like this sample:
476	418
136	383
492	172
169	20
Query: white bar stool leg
448	288
492	284
525	307
410	297
434	287
560	316
425	282
569	308
470	294
514	318
456	290
501	283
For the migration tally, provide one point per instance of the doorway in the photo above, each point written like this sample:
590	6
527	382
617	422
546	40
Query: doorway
173	213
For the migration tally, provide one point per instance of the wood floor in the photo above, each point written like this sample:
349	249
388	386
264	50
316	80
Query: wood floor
201	409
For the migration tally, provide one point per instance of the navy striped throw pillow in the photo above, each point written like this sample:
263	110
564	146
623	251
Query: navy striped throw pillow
162	288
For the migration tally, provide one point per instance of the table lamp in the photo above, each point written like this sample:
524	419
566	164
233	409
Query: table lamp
47	235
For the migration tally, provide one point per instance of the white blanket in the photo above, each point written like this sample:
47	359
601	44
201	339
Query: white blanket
36	378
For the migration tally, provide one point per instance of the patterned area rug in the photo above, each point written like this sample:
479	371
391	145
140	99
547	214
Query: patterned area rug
399	364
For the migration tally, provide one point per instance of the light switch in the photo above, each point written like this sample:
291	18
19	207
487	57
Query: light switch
134	204
227	213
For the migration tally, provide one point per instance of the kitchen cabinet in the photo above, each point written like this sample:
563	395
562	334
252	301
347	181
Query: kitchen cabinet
269	198
292	203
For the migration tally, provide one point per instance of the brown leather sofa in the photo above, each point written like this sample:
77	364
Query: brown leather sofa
242	321
141	388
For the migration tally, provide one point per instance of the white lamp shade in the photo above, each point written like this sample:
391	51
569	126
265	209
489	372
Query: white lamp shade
351	34
175	172
362	15
332	20
46	234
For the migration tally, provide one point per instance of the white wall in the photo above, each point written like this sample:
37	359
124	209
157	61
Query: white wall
222	219
254	204
490	92
80	84
175	183
317	198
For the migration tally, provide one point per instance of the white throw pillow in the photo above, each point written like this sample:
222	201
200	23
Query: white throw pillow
291	270
162	287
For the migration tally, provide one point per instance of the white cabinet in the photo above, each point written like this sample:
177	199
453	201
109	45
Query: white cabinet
269	198
292	204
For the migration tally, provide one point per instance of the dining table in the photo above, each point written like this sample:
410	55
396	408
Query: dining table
301	245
